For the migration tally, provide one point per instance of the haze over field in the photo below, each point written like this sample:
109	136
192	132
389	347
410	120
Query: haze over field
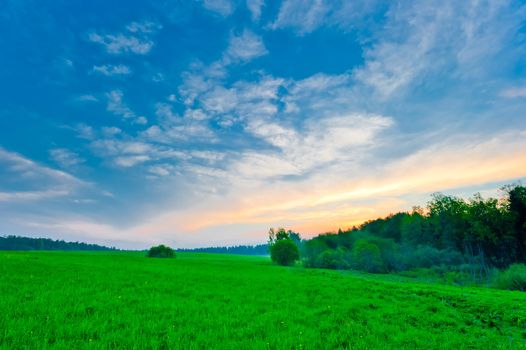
202	123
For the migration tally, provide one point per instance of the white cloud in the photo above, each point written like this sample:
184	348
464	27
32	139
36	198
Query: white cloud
209	80
306	16
172	128
196	114
68	62
257	166
110	70
303	15
514	92
266	88
161	170
392	64
129	161
158	77
144	27
113	147
138	42
320	94
65	158
244	47
219	100
194	84
124	153
421	42
160	142
242	100
32	195
141	120
32	180
84	131
209	156
254	6
487	29
320	141
120	43
221	7
172	133
118	107
87	98
111	131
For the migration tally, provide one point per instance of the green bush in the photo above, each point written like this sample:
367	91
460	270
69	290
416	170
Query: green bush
161	251
338	259
284	252
427	256
513	278
366	256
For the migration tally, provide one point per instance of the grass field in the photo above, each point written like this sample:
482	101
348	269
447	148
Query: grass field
199	301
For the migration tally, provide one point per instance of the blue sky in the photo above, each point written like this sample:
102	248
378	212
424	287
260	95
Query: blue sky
198	123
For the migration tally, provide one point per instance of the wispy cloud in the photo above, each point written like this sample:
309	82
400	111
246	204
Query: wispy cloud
33	180
425	41
138	42
84	131
221	7
129	161
123	153
109	131
117	106
161	170
65	157
333	139
244	47
111	70
514	92
255	7
87	98
304	16
145	27
120	43
32	195
393	64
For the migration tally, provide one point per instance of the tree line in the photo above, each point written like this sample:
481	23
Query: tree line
28	243
450	234
260	249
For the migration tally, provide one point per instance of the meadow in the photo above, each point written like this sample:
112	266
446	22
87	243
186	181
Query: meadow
86	300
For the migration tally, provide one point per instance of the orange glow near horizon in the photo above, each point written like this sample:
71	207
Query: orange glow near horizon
311	211
334	203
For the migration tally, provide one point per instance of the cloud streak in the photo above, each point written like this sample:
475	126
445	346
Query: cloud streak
136	41
117	106
111	70
34	181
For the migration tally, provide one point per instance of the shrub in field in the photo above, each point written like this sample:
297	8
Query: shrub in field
513	278
161	251
284	252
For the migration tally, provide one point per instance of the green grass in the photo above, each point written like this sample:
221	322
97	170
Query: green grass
200	301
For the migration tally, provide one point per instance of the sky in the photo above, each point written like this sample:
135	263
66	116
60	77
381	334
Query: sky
205	123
